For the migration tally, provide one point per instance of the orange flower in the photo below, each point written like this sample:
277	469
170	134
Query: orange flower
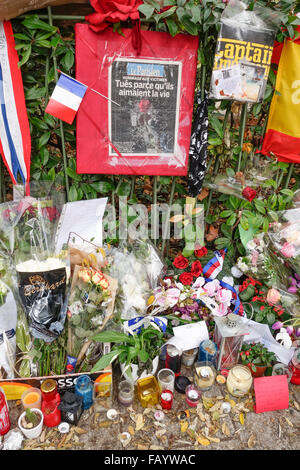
247	147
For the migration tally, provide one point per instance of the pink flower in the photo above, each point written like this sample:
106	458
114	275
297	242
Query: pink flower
84	275
277	325
224	296
288	250
273	296
290	330
221	310
212	287
254	258
97	277
173	296
293	290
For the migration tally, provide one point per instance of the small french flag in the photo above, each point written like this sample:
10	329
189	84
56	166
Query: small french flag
66	98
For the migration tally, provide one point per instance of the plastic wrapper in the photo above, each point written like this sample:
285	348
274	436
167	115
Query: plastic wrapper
243	52
137	267
258	170
90	307
284	236
8	324
27	247
136	136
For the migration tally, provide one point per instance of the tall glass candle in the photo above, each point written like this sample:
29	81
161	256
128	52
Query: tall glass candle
166	379
173	358
126	393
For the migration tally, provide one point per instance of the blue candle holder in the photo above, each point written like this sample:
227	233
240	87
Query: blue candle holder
85	389
208	351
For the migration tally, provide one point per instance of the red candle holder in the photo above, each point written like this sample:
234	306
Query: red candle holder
166	399
192	395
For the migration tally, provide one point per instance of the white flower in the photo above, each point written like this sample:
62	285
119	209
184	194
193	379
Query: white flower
236	272
179	285
228	280
200	281
34	266
241	265
3	288
251	245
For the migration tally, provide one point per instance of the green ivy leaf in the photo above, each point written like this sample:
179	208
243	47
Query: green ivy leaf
146	10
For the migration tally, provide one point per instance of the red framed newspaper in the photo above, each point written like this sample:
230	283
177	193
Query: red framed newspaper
143	126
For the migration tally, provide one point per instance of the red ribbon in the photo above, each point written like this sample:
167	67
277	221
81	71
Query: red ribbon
136	36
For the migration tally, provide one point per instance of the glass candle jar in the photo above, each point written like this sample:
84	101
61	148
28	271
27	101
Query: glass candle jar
173	358
31	398
192	395
294	368
166	379
126	393
49	390
207	351
239	381
85	389
148	391
204	375
189	356
166	399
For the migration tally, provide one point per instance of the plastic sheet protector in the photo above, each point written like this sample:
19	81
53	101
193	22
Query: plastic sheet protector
142	125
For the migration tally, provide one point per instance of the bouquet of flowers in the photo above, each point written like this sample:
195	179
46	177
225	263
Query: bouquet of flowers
27	246
284	238
90	306
3	293
263	264
8	322
190	296
137	267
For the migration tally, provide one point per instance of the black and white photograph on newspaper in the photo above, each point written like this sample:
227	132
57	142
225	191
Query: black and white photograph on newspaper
144	106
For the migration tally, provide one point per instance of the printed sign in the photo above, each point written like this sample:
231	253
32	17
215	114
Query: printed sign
144	90
242	62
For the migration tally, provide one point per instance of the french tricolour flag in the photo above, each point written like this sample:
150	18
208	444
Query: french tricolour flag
66	98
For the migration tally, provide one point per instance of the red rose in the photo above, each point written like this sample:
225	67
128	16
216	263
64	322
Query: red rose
199	252
144	106
196	269
181	262
6	214
112	11
186	279
50	212
249	193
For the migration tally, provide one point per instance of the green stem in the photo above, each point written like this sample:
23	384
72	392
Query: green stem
133	178
154	214
168	214
203	70
50	18
242	132
289	175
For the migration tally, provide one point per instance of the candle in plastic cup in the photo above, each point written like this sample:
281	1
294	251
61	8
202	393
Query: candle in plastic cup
31	398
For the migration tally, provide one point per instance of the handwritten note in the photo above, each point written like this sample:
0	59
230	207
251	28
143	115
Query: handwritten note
271	393
189	336
83	218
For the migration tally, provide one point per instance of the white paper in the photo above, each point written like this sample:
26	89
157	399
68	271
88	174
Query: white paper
259	332
82	217
229	80
189	336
